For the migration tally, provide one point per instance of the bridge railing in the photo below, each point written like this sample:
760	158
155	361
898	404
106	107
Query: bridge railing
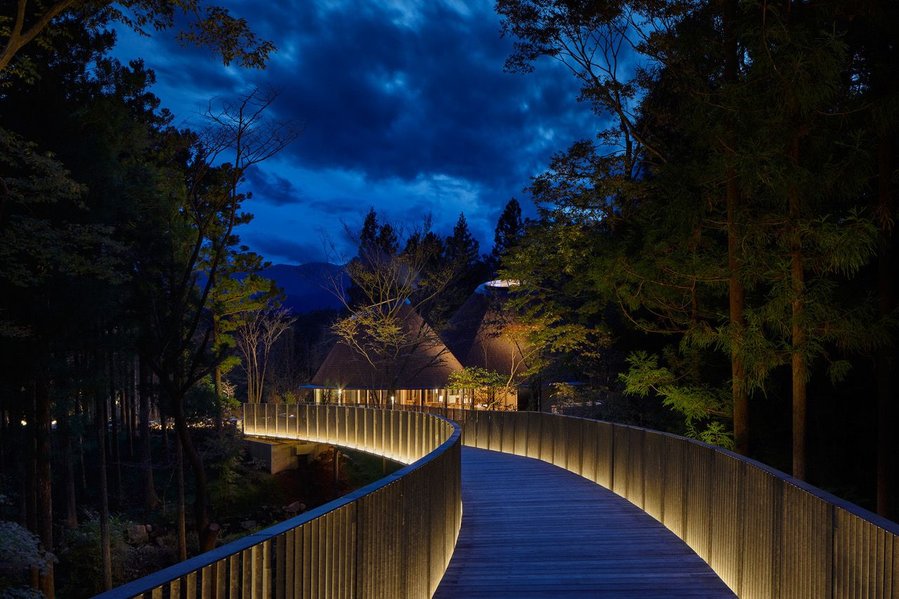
392	538
763	532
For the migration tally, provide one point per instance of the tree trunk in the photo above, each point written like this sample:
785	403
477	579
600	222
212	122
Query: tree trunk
105	549
164	422
182	525
29	481
81	462
206	533
737	298
257	379
798	361
799	369
261	368
5	430
43	476
736	290
29	463
217	378
885	359
114	432
69	459
253	383
151	499
128	393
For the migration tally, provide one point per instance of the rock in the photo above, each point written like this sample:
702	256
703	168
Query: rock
248	524
138	534
293	508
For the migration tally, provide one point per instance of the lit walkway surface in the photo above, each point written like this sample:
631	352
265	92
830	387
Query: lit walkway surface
530	529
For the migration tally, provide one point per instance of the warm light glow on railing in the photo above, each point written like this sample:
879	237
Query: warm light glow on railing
392	538
764	533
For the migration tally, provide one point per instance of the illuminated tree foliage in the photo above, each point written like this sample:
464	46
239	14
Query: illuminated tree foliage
256	333
725	221
474	381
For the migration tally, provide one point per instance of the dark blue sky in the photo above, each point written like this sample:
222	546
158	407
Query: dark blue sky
404	107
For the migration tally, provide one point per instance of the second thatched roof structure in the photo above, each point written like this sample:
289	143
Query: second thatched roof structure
483	334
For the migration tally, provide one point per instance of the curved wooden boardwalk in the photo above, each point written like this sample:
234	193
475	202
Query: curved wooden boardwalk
530	529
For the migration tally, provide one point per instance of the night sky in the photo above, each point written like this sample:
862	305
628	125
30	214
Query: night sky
404	107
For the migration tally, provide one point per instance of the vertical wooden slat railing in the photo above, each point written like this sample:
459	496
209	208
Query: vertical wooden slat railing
392	538
764	533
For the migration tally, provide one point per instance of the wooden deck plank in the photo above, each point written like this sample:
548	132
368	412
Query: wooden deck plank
530	530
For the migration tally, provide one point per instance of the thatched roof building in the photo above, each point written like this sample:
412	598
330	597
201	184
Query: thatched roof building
418	373
423	363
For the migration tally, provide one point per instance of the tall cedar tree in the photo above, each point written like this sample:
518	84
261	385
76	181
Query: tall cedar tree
820	237
96	121
873	31
102	123
595	196
461	252
508	230
726	209
177	339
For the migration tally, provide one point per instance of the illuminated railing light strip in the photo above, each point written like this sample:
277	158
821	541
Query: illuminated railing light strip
258	564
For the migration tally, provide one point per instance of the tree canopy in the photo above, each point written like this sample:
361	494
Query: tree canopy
725	222
118	255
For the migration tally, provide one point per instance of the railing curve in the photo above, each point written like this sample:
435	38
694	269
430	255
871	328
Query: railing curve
392	538
763	532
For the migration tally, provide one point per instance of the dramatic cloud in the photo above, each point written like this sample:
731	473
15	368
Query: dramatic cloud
404	106
272	188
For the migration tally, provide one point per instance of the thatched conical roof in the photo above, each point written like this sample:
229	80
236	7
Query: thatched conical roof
424	363
482	334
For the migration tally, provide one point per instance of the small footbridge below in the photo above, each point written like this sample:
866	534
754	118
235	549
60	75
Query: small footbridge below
539	505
